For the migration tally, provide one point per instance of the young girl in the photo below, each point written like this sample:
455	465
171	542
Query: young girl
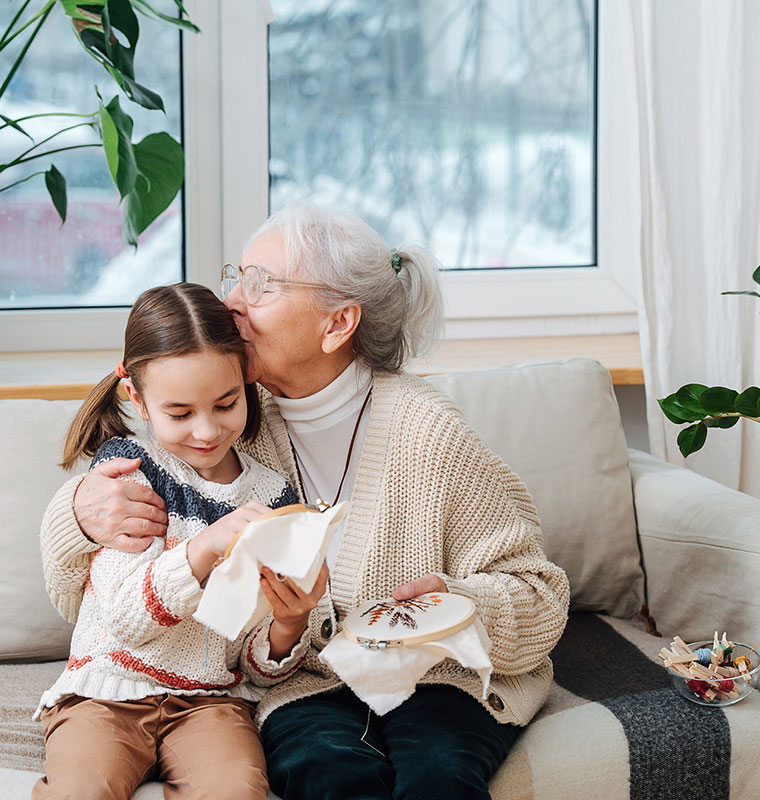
148	691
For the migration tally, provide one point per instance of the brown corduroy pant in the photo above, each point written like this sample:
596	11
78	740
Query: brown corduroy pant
198	746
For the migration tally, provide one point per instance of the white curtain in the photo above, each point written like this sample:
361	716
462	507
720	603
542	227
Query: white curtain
697	73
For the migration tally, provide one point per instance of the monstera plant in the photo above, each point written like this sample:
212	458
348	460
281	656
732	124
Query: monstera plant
147	174
705	407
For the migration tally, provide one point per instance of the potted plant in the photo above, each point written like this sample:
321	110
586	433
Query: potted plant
705	407
147	174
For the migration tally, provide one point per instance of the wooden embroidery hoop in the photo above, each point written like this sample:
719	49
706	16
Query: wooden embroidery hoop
441	614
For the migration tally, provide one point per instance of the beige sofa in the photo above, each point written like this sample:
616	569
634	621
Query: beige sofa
629	530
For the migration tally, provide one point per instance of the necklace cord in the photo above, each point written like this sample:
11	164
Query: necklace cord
348	458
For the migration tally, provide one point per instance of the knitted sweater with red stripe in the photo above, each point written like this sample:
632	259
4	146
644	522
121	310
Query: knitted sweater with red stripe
135	635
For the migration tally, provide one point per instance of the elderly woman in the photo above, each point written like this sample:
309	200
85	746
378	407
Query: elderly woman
331	313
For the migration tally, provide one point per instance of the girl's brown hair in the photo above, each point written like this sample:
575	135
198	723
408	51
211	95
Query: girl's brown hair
165	321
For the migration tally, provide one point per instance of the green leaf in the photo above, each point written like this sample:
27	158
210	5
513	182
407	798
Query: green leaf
15	125
677	413
755	278
75	8
148	10
116	129
688	397
110	137
120	15
117	59
718	400
161	170
722	422
137	92
692	439
56	186
748	402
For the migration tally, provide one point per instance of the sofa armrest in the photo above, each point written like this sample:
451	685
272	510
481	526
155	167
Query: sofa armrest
700	548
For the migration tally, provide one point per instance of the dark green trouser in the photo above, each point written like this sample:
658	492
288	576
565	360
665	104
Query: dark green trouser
440	743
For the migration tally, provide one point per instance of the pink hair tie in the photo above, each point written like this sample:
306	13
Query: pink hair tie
120	371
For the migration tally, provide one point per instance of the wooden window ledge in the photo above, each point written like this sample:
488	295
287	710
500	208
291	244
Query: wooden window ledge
53	376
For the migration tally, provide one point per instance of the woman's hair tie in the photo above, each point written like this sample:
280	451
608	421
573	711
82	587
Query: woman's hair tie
395	261
120	371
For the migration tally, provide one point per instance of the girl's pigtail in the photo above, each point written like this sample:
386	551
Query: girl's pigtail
99	418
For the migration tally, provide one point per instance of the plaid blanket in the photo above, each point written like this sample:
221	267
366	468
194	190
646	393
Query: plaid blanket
613	726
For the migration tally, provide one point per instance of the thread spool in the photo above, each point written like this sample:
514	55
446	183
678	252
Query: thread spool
739	660
698	687
704	656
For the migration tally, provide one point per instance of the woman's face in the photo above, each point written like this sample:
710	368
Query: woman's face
283	330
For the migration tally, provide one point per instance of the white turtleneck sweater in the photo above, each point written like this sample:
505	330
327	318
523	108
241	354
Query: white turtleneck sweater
320	427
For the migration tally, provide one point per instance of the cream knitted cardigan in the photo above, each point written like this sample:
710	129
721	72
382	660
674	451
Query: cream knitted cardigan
429	497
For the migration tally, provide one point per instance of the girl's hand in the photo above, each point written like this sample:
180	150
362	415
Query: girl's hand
291	607
427	583
211	543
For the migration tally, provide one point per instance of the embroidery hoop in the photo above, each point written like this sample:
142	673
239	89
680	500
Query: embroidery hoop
434	615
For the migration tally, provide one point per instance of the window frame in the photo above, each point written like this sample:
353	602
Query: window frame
562	301
226	140
219	171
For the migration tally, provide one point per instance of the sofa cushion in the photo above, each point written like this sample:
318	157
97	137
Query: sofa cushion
32	433
701	551
558	426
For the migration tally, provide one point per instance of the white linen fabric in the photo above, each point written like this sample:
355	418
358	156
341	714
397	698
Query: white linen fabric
383	679
293	545
697	75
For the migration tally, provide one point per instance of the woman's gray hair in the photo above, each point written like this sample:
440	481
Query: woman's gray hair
402	313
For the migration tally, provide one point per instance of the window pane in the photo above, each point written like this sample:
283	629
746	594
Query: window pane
465	124
85	262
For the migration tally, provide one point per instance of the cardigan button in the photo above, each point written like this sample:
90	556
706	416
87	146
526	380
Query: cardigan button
326	629
496	703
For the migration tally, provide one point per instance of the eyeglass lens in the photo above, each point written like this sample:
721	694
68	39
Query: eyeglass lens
229	279
251	285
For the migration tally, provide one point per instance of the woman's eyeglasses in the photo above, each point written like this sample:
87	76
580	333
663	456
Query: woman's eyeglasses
253	280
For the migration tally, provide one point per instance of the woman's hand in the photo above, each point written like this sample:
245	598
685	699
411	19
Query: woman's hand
291	607
121	514
211	544
427	583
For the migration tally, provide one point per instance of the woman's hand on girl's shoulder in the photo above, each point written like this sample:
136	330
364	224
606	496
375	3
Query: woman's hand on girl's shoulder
122	514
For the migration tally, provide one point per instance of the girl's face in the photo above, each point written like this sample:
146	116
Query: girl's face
196	406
